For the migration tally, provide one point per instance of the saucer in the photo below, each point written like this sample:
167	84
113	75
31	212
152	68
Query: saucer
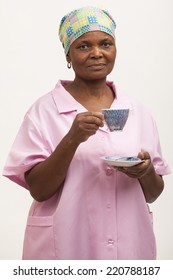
122	161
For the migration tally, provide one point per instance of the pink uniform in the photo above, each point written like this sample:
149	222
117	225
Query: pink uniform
101	213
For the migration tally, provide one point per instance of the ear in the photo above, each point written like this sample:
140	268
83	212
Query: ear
68	59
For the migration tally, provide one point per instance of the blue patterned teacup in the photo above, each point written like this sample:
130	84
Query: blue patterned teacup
115	118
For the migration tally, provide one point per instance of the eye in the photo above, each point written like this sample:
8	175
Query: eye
106	44
83	47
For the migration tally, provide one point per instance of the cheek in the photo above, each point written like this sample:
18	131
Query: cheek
112	60
113	54
78	65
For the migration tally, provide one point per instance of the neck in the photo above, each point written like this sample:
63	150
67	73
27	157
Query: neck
95	88
93	95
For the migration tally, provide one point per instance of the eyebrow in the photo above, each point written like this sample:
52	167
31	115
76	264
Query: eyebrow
101	40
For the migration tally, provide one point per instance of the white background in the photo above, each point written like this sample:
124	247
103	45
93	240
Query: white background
31	62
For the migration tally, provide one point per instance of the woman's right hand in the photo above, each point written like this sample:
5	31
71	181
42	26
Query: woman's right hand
47	177
85	125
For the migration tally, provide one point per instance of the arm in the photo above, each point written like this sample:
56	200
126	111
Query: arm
151	183
46	178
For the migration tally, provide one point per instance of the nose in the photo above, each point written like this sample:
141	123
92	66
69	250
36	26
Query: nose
96	52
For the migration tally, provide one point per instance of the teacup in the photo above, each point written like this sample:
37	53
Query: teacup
115	118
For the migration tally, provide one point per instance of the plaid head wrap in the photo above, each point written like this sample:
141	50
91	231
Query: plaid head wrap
84	20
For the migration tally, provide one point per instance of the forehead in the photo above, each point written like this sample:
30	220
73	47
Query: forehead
94	35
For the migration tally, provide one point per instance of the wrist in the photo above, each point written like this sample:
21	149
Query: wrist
70	141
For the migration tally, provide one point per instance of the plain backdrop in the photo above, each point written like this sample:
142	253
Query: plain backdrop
32	60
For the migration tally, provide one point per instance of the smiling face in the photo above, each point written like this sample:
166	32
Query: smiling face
92	55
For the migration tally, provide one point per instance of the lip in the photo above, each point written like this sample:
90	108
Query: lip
97	66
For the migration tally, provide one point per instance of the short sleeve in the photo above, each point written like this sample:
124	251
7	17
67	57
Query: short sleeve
160	165
28	149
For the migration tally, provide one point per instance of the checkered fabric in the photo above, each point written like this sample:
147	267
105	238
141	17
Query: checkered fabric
83	20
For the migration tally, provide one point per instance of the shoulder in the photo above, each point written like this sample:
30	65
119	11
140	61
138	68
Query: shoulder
136	106
135	103
46	104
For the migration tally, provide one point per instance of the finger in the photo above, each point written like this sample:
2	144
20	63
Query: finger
92	118
90	127
98	115
134	170
144	155
92	113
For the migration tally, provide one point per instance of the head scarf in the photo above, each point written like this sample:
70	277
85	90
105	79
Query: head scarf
86	19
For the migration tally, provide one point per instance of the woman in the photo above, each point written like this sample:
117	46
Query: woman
83	208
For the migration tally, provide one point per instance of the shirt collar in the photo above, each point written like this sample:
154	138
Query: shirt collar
65	103
121	100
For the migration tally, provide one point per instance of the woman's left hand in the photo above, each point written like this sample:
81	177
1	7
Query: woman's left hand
139	170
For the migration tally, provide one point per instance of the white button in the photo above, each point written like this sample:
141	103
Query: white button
109	171
108	205
110	242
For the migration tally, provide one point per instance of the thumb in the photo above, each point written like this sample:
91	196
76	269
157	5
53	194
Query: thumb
144	155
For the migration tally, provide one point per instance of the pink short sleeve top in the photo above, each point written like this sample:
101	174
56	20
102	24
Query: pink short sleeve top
100	213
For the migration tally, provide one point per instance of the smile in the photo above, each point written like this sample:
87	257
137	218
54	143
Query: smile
97	66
